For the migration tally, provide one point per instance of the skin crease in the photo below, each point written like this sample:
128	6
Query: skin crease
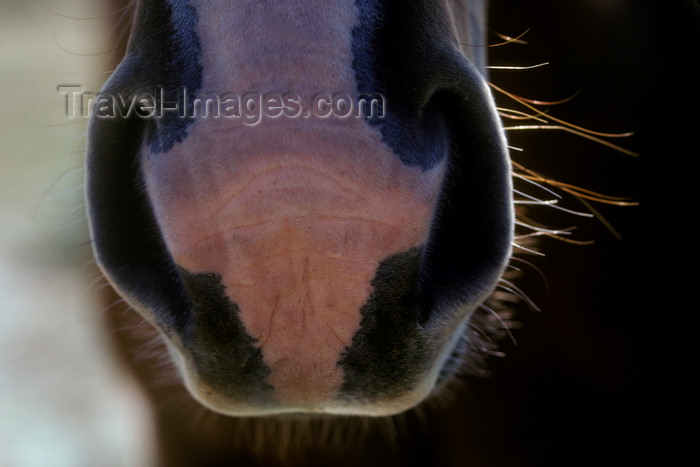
298	221
284	271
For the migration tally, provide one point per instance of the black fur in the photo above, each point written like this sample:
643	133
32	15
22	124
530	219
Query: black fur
404	50
163	53
226	357
388	351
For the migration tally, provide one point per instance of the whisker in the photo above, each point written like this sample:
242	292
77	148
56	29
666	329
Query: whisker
87	18
66	173
513	114
542	230
509	39
549	103
535	268
517	68
512	288
579	130
536	184
64	193
601	218
572	189
116	302
81	54
584	134
527	250
65	226
503	324
533	201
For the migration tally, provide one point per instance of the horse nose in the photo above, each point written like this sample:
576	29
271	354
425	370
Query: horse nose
308	262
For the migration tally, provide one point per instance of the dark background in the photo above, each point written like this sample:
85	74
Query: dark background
598	374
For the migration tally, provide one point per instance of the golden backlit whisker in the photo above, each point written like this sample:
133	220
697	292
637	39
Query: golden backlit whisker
590	195
515	290
542	230
574	190
566	124
546	103
530	181
518	115
516	68
509	40
588	134
601	218
527	250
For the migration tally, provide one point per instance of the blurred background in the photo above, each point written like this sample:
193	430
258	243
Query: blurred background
63	399
592	376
